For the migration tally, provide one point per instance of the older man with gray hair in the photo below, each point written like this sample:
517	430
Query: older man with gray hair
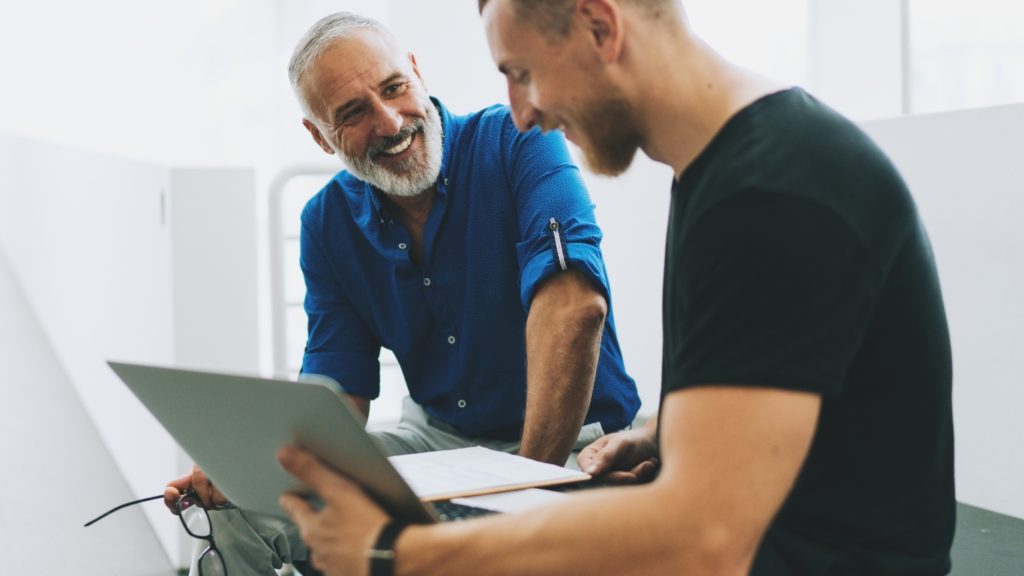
467	248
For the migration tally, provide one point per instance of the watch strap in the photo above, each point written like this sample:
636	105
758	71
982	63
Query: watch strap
382	555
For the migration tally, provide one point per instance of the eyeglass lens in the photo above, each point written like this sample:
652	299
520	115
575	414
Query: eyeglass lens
194	517
197	523
211	563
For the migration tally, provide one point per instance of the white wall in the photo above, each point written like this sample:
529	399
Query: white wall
965	172
189	82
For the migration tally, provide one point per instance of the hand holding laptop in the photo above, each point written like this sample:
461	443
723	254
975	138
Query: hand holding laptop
347	515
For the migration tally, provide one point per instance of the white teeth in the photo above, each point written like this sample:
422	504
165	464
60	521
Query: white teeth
398	148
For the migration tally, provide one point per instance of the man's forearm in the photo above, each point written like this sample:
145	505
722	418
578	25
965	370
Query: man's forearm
554	540
621	531
563	344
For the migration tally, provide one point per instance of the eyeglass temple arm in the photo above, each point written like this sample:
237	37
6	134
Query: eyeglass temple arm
125	505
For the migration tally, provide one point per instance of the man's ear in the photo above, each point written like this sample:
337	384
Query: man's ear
416	71
317	136
602	21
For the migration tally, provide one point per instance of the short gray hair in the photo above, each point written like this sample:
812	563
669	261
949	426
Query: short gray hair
337	26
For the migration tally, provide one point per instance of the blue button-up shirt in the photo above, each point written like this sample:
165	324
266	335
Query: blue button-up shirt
510	210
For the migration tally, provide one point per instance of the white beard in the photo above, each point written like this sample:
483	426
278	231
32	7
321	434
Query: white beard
415	174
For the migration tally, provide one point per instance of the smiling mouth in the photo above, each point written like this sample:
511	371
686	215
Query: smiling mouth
400	147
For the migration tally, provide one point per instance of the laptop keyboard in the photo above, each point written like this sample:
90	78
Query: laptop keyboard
448	511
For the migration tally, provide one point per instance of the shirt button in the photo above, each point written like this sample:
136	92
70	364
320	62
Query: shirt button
451	339
401	246
426	281
462	403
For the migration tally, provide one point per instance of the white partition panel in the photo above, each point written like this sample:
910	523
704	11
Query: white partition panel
212	218
87	240
215	273
131	261
966	173
58	474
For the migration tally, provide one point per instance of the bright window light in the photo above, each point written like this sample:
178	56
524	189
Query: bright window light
965	55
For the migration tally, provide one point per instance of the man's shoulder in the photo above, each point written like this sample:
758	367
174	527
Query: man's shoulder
484	126
329	196
790	146
493	131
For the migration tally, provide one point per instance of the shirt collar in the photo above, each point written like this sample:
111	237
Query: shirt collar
448	138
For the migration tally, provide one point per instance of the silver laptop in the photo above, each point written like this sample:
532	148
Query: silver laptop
232	427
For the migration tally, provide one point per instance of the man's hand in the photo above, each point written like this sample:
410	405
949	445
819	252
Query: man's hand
200	484
628	457
339	534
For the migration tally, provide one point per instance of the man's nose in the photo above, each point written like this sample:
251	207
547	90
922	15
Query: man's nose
388	120
524	114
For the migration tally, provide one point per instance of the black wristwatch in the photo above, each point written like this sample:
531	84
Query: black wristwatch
382	555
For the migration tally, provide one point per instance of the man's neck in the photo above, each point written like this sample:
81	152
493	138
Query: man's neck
688	92
412	210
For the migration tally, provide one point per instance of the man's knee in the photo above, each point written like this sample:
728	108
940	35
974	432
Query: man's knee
253	543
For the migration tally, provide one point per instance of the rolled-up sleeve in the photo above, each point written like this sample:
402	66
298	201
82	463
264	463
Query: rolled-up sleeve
555	214
339	344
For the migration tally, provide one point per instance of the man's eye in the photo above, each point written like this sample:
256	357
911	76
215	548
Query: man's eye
352	115
394	89
519	76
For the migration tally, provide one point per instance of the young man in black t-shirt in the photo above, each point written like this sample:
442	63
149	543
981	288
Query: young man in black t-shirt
805	425
796	260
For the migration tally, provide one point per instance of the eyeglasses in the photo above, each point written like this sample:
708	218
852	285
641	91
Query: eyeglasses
196	521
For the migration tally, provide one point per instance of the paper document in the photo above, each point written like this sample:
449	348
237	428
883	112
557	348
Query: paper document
515	501
470	471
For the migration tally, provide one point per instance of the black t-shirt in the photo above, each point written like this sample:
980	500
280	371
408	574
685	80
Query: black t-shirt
796	259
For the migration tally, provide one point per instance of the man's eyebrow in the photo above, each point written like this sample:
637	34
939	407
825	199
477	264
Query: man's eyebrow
391	78
340	111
